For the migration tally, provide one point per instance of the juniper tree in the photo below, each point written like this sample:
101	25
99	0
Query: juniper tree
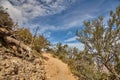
103	42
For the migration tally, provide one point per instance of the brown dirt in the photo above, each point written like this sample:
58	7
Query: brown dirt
13	67
56	69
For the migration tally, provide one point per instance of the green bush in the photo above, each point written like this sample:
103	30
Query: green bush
40	42
24	35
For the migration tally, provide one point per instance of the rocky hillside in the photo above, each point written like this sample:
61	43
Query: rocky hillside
13	67
17	60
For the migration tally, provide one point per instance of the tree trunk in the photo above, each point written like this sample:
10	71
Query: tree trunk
18	43
5	31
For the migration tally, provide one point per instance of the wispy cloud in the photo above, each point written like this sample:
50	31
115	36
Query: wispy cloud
69	33
65	25
24	10
78	45
71	39
29	9
47	34
15	13
57	17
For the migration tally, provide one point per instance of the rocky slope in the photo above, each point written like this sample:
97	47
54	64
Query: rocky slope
13	67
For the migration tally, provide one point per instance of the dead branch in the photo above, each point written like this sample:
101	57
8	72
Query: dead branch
9	39
5	31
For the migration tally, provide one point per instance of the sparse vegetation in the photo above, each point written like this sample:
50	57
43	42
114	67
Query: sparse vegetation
40	42
5	19
24	35
16	62
102	43
100	59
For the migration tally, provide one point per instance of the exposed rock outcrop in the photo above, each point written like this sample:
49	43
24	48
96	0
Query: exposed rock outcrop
13	67
17	60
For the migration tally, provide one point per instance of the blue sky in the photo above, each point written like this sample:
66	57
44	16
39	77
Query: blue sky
58	20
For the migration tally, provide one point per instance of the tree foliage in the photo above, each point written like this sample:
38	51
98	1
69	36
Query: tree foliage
40	42
5	19
24	35
102	42
35	42
60	51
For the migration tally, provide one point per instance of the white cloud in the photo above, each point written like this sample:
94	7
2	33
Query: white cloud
72	44
71	39
48	1
68	23
69	33
78	45
44	28
25	10
47	34
14	12
77	20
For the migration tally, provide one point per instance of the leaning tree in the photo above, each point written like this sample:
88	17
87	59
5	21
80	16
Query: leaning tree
7	32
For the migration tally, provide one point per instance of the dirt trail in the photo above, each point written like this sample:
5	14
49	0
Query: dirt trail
56	69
